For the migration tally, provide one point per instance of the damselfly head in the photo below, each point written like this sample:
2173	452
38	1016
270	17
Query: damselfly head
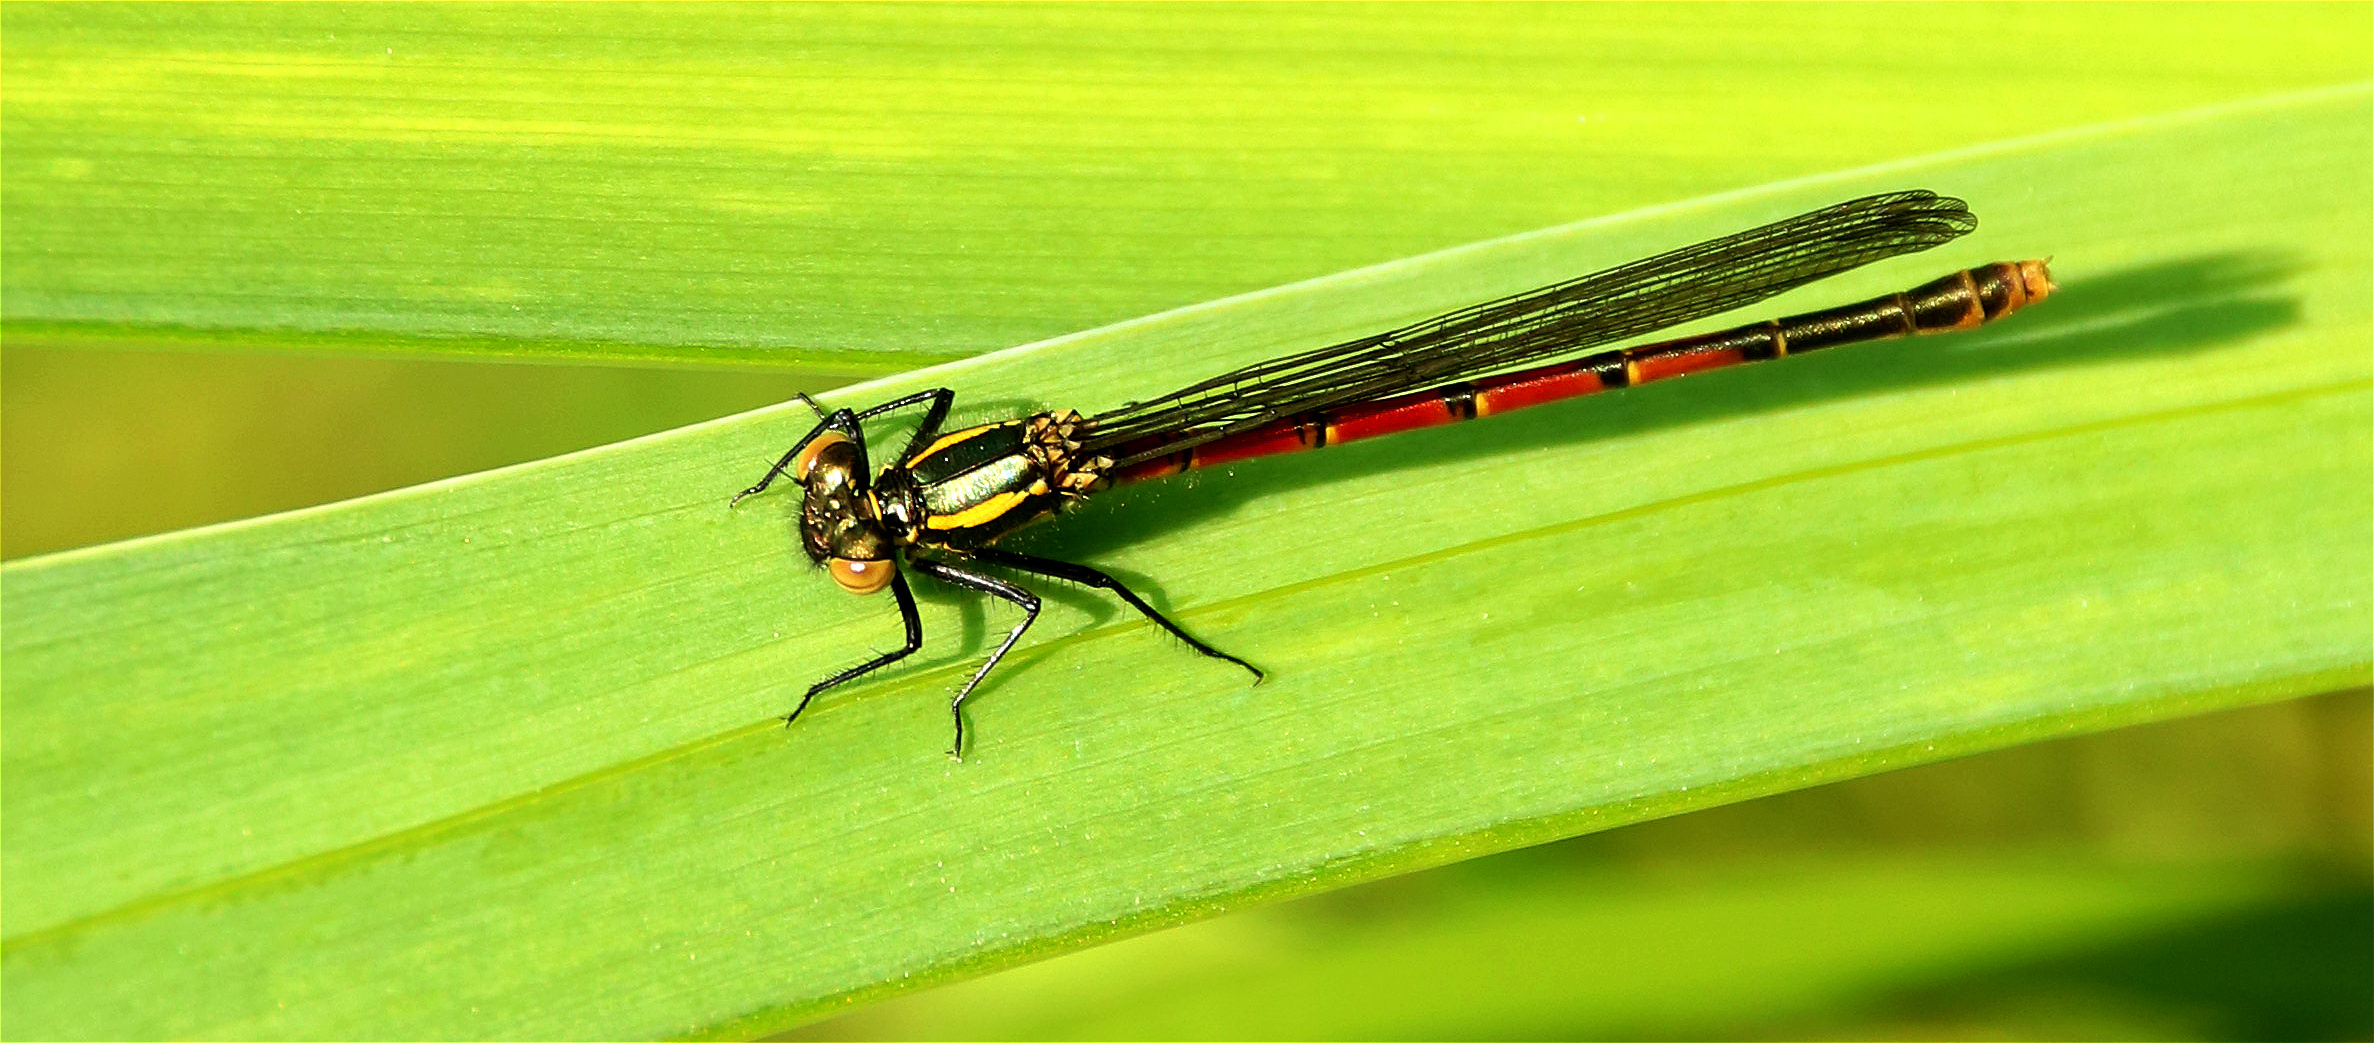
838	524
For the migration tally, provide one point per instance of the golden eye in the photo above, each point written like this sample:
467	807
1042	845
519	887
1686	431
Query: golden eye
861	577
816	448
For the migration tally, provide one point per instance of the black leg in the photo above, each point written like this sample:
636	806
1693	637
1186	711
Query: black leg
940	398
1065	570
843	421
852	424
914	621
777	470
988	585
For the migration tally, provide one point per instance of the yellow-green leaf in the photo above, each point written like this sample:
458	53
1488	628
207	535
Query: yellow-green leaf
879	188
494	756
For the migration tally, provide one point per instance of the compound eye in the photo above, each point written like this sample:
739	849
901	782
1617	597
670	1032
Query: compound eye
861	577
816	448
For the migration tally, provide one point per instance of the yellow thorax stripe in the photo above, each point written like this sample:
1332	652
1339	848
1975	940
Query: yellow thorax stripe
980	513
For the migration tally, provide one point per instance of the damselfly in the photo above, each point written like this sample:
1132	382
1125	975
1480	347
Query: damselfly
943	502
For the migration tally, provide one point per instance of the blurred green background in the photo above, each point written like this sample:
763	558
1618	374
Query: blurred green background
2206	878
100	443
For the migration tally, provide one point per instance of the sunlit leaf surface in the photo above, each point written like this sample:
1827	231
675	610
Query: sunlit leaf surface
495	756
880	188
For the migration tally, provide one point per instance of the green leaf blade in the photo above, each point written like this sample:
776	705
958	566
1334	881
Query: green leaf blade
881	189
504	740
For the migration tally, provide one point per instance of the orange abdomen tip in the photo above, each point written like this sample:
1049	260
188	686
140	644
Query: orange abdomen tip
2036	280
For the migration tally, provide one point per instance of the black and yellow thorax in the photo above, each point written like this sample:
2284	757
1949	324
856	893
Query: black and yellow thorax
969	487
